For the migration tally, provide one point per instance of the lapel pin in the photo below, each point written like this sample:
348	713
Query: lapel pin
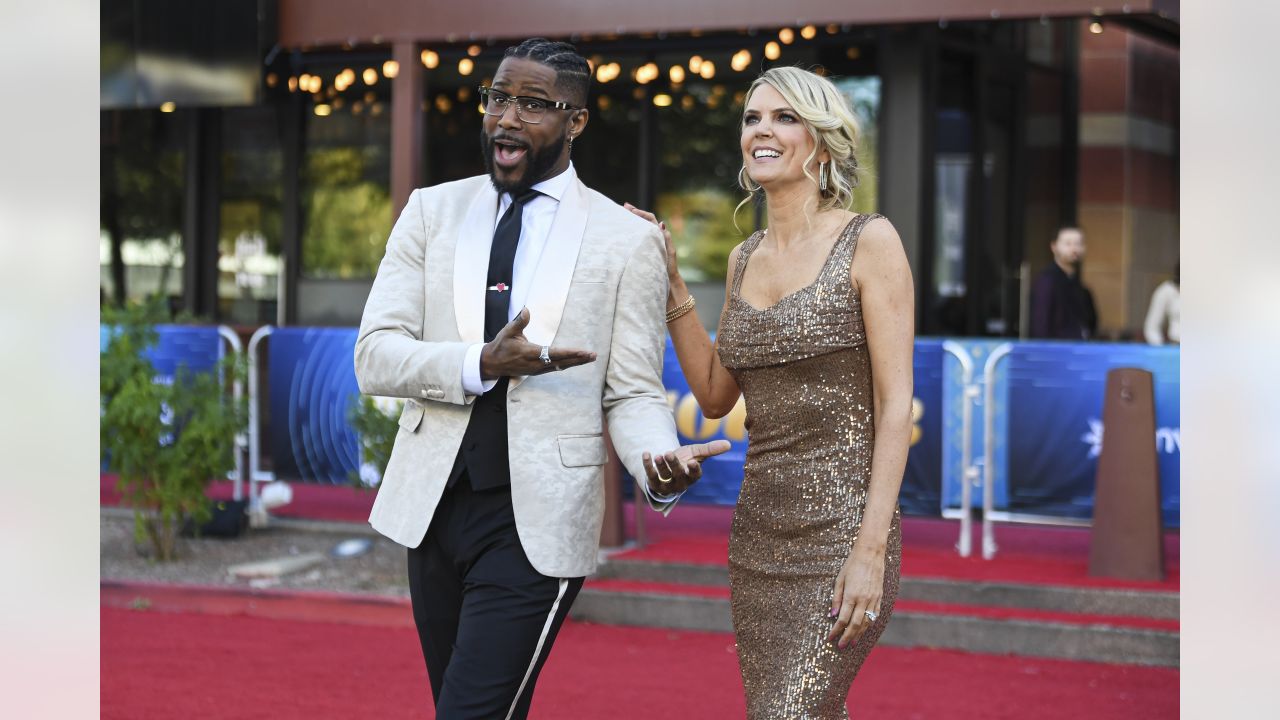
500	287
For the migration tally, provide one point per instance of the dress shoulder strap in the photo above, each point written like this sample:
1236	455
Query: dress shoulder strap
744	254
855	228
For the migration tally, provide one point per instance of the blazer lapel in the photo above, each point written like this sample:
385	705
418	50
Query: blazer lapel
551	280
471	264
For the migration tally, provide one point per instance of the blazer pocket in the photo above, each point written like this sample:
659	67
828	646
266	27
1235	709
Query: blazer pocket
581	450
411	416
590	275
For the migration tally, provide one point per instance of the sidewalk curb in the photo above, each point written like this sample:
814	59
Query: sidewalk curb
336	527
273	604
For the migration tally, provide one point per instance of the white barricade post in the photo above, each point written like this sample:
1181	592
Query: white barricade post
989	449
257	513
237	393
968	473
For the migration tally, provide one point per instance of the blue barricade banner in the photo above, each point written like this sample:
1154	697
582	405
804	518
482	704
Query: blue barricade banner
921	492
721	475
1047	423
1055	401
1047	428
312	378
198	347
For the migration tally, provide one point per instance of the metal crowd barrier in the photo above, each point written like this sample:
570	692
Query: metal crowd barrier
977	469
969	473
237	393
257	513
989	452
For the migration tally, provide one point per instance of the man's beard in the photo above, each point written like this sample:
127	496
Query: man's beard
537	165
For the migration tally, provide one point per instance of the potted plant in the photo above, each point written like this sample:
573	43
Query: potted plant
165	440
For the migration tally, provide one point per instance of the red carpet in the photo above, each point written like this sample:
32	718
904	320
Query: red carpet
1035	554
164	664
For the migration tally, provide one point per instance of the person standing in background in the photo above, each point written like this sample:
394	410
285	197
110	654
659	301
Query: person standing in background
1164	315
1061	306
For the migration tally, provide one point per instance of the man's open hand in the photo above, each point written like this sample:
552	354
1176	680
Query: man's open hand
510	354
673	472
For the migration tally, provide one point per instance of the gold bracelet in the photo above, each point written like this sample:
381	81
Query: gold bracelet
681	309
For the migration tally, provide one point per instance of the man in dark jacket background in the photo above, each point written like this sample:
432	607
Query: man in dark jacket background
1061	306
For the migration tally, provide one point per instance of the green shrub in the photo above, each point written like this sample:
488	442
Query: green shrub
165	440
376	422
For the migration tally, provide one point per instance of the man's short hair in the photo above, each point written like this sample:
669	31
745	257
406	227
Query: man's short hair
1066	228
573	72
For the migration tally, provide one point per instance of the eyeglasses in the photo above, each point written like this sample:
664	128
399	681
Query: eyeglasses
529	109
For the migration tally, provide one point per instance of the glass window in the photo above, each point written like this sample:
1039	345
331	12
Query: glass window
1045	149
863	94
143	163
249	235
608	155
346	167
698	158
454	118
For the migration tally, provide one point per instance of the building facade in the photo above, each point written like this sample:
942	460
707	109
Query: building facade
269	200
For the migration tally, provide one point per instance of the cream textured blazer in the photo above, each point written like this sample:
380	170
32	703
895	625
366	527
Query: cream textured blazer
600	285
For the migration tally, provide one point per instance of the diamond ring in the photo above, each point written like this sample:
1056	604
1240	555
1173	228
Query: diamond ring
870	615
545	355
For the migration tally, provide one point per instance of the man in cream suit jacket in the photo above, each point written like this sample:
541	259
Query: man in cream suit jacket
516	313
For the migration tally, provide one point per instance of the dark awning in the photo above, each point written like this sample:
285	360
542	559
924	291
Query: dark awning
307	23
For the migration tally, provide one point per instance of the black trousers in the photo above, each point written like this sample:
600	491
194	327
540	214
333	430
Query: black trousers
485	617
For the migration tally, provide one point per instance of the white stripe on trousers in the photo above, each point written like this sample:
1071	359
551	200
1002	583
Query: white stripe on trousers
537	651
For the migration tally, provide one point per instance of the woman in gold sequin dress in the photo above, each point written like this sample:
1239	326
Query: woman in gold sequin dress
816	333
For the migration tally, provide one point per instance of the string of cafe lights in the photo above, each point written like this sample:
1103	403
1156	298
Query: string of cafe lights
328	95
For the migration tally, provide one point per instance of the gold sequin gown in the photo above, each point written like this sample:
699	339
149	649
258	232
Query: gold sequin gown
805	373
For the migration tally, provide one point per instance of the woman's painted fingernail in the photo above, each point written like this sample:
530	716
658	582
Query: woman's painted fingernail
834	612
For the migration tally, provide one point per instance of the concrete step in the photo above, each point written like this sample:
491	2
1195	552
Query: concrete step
933	625
1090	600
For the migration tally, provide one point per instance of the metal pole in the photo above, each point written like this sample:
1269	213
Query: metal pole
968	473
1024	300
989	449
638	507
237	392
257	515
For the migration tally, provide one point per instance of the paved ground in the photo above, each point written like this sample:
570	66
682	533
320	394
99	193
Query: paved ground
205	561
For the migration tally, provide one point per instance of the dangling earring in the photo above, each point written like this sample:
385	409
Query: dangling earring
570	143
822	176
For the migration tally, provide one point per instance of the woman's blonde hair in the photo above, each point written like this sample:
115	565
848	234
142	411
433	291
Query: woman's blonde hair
831	123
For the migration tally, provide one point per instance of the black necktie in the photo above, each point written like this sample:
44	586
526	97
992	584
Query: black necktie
502	258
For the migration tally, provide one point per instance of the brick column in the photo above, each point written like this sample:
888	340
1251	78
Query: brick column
406	125
1128	180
